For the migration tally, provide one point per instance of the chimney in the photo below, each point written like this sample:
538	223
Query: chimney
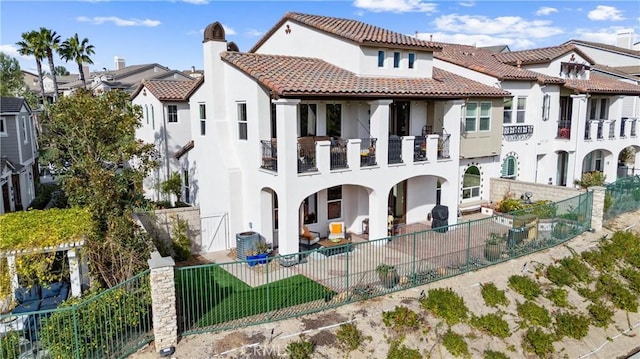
625	38
119	63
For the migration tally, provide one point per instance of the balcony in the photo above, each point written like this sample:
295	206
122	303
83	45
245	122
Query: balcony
518	132
612	129
368	152
269	155
395	150
443	146
419	149
564	129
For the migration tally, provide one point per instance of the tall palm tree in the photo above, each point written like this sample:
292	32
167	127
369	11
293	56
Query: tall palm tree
31	46
72	49
50	41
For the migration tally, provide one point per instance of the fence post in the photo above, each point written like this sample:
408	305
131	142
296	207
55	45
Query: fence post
597	207
163	301
468	244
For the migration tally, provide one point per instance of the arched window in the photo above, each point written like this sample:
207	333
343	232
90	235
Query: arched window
471	183
146	113
509	167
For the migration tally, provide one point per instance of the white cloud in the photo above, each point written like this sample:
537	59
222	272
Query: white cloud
254	33
545	10
513	27
27	63
228	30
467	4
99	20
515	43
602	12
12	51
607	35
397	6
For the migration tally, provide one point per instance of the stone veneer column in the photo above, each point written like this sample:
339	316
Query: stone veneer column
163	301
597	207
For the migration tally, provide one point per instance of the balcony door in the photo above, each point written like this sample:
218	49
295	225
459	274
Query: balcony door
399	118
563	163
566	107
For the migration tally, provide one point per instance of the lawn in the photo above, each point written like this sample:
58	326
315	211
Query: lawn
210	295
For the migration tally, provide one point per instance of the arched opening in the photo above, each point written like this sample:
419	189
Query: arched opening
471	183
509	167
562	166
627	161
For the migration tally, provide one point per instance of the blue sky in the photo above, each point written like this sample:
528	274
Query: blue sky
170	32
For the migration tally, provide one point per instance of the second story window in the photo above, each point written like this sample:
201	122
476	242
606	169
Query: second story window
470	117
3	126
334	120
203	117
380	58
477	116
172	113
508	109
24	129
396	60
522	108
242	121
412	60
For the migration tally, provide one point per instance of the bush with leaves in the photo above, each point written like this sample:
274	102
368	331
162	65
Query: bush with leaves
571	325
172	186
526	286
397	350
591	179
493	324
401	319
180	238
300	349
350	337
533	315
493	296
446	304
455	344
538	342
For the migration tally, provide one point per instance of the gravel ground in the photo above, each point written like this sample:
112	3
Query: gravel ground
270	340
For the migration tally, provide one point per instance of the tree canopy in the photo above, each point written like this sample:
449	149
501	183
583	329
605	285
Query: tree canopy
11	81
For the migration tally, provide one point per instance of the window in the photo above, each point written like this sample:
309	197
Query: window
307	120
172	113
396	59
508	109
203	117
522	107
242	121
412	59
509	167
185	181
153	119
485	116
146	113
546	105
334	120
334	202
310	208
3	126
380	58
603	108
471	183
470	117
598	108
25	139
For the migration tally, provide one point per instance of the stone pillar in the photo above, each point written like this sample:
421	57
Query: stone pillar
597	207
163	301
74	272
13	273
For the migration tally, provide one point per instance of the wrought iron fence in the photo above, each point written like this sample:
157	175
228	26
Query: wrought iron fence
622	196
109	324
307	157
443	146
269	155
612	129
368	152
338	154
564	129
600	130
419	149
395	150
623	124
633	127
235	294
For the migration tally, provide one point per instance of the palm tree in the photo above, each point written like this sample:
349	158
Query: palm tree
72	49
30	45
50	41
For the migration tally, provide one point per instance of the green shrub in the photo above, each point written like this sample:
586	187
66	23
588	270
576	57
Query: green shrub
590	179
526	286
575	326
603	261
124	309
180	241
507	205
533	314
559	297
490	354
350	337
600	314
401	319
608	201
538	342
620	296
633	278
173	185
446	304
400	351
9	345
580	271
300	349
493	324
559	275
493	296
455	344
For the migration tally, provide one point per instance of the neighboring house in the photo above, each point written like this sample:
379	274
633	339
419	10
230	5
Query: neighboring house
325	120
166	123
595	115
18	163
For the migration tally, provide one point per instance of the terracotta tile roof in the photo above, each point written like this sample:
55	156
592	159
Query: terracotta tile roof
356	31
483	61
604	47
604	85
539	55
169	90
303	76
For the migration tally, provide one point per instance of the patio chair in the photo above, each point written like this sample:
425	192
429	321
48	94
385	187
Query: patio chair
336	230
308	237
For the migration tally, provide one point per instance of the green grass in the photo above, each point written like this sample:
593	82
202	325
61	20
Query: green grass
210	295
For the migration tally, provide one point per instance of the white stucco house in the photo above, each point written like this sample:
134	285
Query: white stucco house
166	123
18	162
316	124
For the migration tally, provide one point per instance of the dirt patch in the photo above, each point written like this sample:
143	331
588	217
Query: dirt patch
324	338
323	320
193	261
232	341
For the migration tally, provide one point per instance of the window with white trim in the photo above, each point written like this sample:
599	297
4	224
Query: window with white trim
520	110
470	116
25	139
310	209
412	59
598	108
334	202
477	116
546	106
396	59
242	120
485	116
146	113
471	183
153	119
3	126
509	167
203	118
508	109
172	113
381	58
